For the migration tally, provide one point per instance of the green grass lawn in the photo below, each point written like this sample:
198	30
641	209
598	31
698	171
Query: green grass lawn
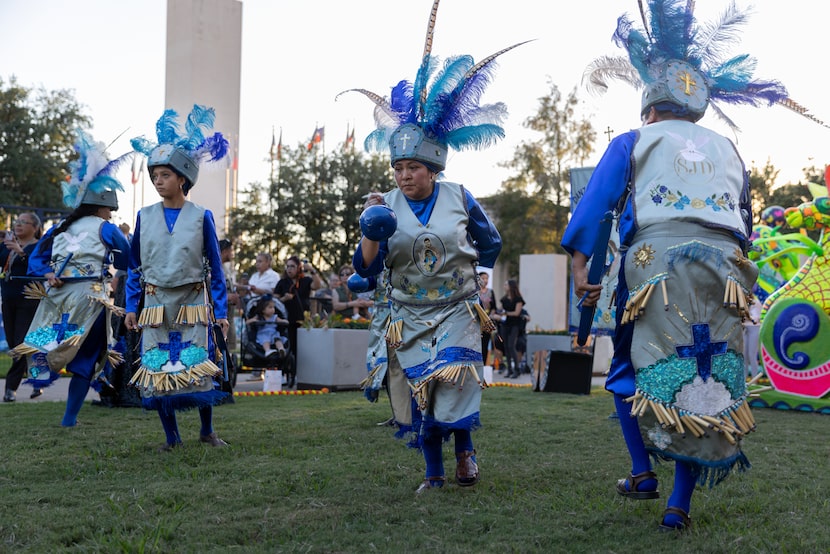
5	364
315	474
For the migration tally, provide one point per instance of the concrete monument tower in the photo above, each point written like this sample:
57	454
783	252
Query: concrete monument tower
203	66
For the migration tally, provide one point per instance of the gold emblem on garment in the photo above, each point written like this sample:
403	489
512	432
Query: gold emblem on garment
97	287
741	260
644	256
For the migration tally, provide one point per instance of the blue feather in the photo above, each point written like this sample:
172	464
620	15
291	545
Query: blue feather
142	145
167	127
200	119
112	167
475	136
213	148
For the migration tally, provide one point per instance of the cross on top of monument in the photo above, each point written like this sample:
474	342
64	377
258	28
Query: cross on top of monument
608	132
175	346
702	350
63	327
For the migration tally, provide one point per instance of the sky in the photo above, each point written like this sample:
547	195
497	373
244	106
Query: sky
297	56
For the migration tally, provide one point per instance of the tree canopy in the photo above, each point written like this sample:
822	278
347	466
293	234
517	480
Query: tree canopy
311	207
531	210
37	131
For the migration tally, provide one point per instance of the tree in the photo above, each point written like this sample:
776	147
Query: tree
37	131
542	165
311	208
537	197
516	213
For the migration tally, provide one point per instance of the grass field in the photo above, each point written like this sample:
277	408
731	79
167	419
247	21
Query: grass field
316	474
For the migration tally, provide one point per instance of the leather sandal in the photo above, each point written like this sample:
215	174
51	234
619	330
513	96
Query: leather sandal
212	439
427	484
466	470
685	523
634	481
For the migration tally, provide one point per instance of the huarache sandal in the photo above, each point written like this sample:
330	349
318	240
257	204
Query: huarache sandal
212	439
466	469
632	490
430	483
681	522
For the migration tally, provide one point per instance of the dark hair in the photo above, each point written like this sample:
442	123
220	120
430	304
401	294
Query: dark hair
259	306
296	261
83	210
224	244
513	289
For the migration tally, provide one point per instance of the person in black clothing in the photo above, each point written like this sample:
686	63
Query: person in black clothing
512	304
294	291
18	310
487	299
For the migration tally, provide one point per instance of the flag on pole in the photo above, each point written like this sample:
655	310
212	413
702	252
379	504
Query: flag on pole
317	137
138	163
349	138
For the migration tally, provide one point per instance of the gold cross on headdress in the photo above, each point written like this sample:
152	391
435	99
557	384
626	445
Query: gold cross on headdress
686	79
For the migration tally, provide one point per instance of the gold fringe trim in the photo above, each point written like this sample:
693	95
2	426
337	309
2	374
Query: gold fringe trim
487	325
450	374
108	305
166	382
151	316
371	377
114	358
192	314
735	296
733	423
34	290
74	340
22	350
636	304
394	337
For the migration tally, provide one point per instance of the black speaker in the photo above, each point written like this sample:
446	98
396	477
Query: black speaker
568	372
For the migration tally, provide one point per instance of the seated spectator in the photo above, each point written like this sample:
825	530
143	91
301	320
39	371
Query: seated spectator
321	301
264	321
345	302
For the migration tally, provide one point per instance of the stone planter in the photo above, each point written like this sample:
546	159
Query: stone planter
333	358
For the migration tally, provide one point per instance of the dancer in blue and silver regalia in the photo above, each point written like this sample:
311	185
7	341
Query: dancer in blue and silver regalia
442	234
71	327
176	277
684	284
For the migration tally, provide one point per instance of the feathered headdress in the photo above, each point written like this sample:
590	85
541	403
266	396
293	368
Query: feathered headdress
91	176
680	61
184	151
440	109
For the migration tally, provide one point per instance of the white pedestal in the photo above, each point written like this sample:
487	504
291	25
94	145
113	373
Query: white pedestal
333	358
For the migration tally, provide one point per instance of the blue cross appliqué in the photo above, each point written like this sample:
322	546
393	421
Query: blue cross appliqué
63	327
175	346
703	349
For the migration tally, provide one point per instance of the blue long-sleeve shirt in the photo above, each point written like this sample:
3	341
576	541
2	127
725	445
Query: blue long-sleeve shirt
110	235
211	248
606	186
485	236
